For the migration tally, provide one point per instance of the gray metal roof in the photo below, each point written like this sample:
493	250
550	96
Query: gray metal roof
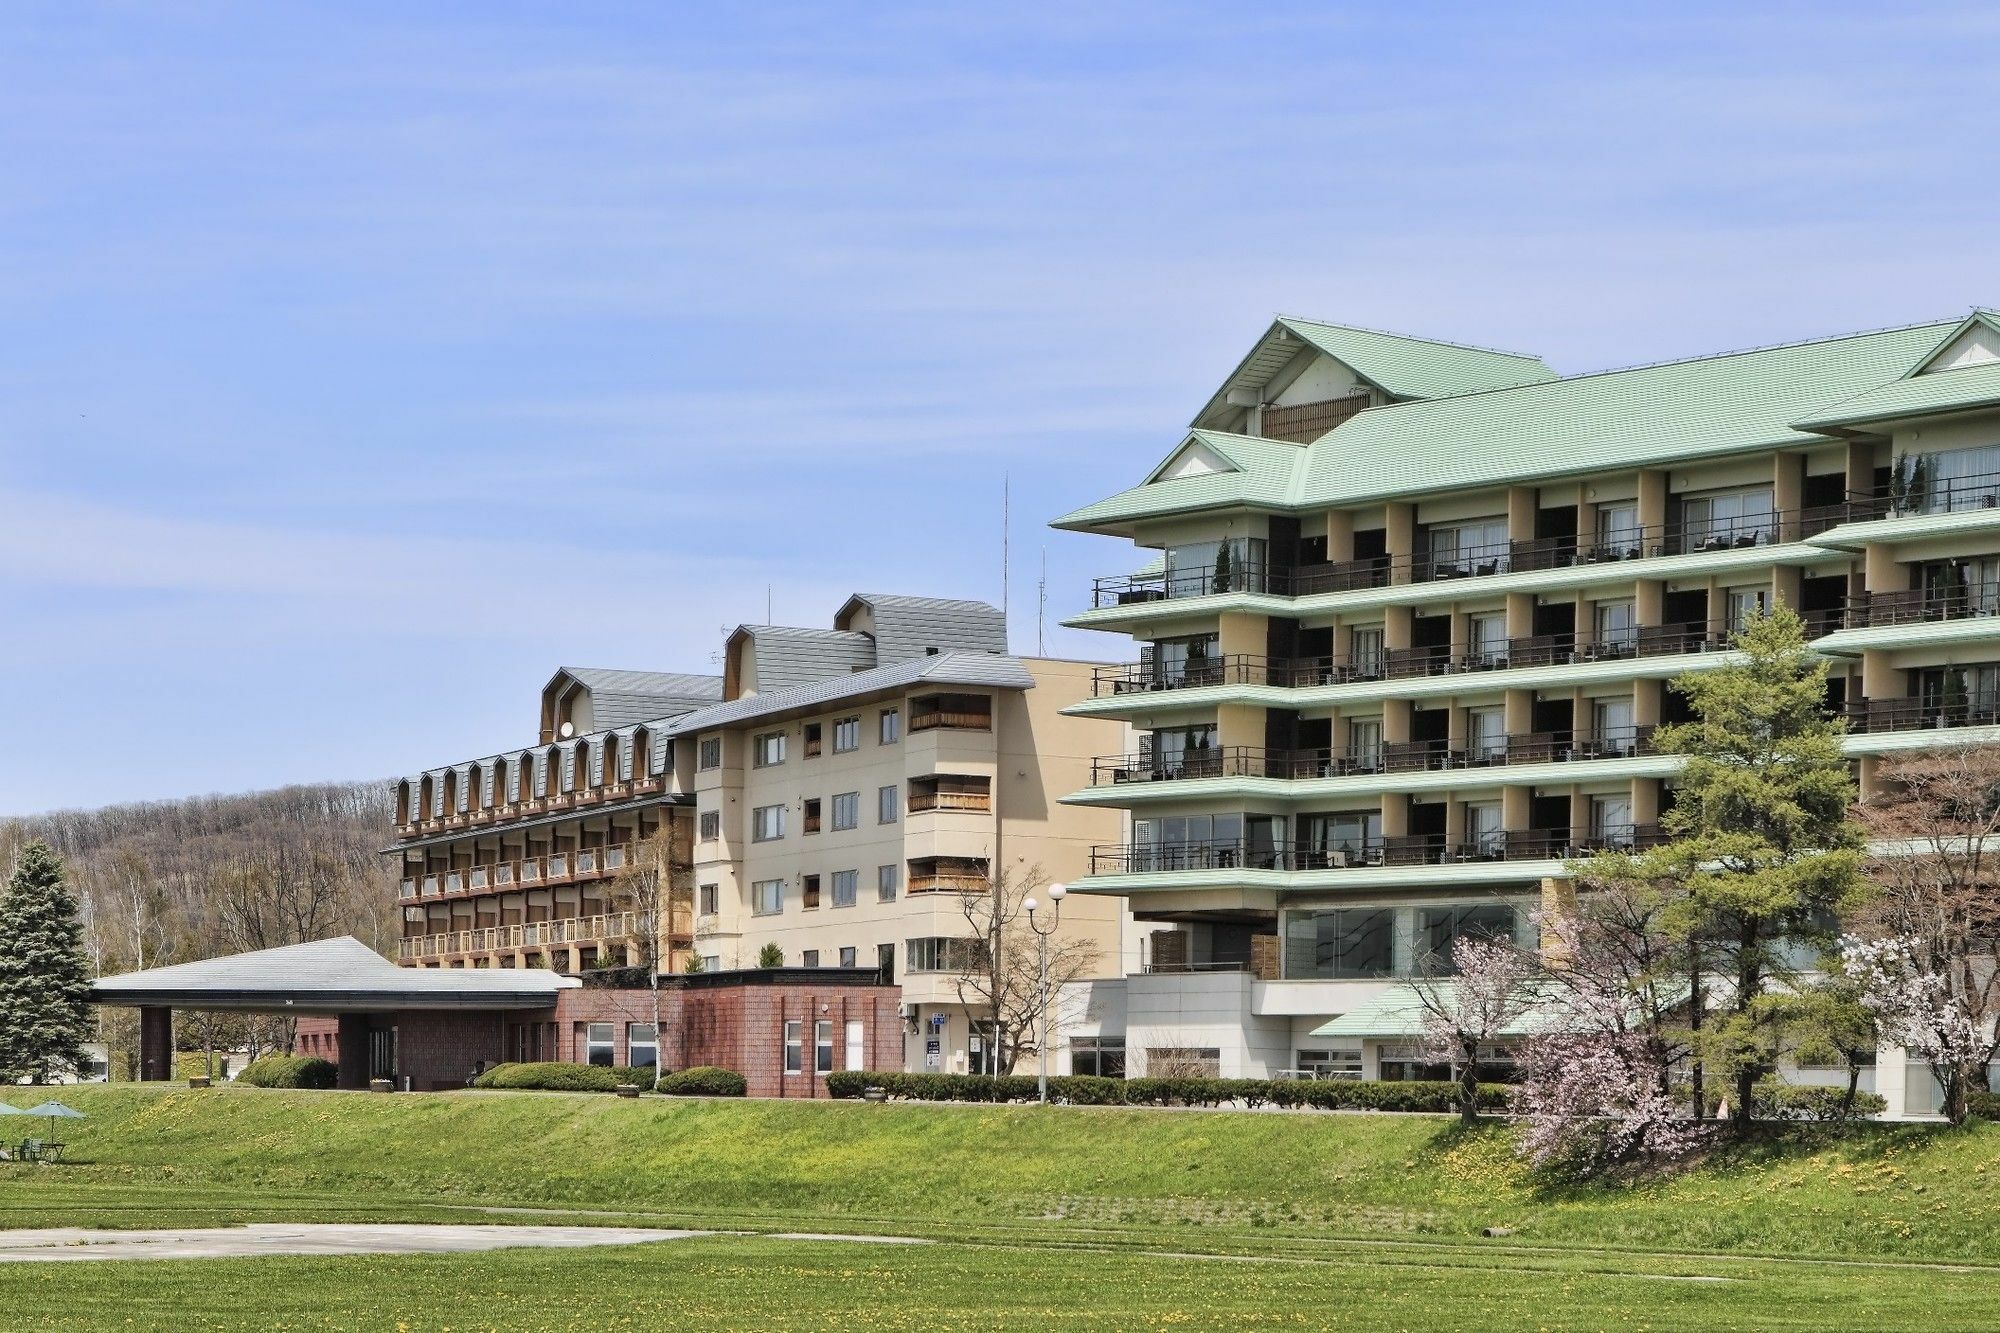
622	698
787	655
992	670
907	627
340	975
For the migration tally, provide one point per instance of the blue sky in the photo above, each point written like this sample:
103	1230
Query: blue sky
367	362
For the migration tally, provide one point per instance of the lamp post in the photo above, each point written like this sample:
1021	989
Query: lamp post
1042	933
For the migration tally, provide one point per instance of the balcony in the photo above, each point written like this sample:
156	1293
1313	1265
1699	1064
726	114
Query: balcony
607	927
955	712
1923	606
946	874
1874	716
1909	497
557	868
1356	853
1466	562
970	794
1245	761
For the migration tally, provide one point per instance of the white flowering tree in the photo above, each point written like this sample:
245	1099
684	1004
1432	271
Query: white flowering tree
1593	1102
1919	1010
1493	989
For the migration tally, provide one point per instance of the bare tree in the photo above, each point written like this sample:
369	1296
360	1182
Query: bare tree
998	977
654	887
1935	829
1490	988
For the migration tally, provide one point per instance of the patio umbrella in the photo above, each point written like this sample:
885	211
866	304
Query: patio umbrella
55	1111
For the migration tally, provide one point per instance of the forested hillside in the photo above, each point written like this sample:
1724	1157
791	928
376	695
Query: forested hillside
169	881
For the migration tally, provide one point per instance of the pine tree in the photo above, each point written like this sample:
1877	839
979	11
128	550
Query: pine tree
44	977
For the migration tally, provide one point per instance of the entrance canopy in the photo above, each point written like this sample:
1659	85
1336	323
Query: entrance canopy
337	976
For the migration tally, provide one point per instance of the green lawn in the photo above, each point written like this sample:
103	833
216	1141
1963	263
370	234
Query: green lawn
1041	1217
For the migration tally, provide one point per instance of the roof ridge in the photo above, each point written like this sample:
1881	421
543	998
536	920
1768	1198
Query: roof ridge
1608	371
1411	337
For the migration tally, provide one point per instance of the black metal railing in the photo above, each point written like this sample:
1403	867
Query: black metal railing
1247	761
1918	714
1960	602
1356	853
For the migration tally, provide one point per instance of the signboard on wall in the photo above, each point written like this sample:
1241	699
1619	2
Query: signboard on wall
933	1054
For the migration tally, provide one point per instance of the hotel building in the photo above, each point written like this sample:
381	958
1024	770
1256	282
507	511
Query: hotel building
835	794
1404	613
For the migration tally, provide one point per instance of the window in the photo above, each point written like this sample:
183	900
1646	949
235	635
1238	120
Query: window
1351	837
1485	735
711	825
846	810
710	896
809	958
767	897
1184	1062
597	1039
1726	519
1618	534
709	753
768	749
847	956
1340	944
809	892
1942	482
1439	928
887	800
1190	660
642	1046
857	1046
1235	564
767	823
1469	548
823	1046
1364	652
1611	820
794	1045
711	962
887	880
1486	640
1611	722
1617	625
1337	1062
810	824
889	726
846	734
940	953
1364	744
885	963
1744	604
1483	831
812	734
845	883
1101	1057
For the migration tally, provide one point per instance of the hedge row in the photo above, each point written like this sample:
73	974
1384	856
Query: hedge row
704	1081
1771	1100
1985	1105
556	1076
289	1071
1083	1090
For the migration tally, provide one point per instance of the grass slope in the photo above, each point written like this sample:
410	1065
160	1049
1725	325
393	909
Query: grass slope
1887	1192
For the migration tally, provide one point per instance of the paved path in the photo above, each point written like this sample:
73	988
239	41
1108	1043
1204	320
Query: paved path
264	1238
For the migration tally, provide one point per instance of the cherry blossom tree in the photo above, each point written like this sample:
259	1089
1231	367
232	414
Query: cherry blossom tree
1592	1102
1493	989
1918	1009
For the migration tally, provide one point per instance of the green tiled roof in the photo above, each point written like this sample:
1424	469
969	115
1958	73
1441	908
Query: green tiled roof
1399	1012
1647	416
1418	367
1940	391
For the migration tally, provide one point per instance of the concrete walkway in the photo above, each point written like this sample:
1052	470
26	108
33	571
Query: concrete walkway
267	1238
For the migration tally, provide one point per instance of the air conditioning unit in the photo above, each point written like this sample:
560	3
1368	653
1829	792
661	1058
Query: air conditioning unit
906	1012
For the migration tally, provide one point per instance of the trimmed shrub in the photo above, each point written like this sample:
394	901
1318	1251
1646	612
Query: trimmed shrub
1086	1090
289	1071
1364	1095
644	1076
1985	1105
1772	1100
551	1076
704	1081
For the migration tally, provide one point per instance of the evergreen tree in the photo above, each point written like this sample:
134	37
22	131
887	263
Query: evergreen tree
44	977
1762	855
771	956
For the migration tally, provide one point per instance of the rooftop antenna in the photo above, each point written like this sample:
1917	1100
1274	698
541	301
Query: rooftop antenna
1006	482
767	606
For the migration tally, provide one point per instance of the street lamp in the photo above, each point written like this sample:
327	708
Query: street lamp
1042	933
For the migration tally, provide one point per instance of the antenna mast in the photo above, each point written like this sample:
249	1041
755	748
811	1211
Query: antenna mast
1042	608
1006	568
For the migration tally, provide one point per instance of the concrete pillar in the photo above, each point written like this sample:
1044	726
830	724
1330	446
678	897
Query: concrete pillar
1880	572
1514	808
1401	538
1395	815
1396	721
1652	504
1398	626
1522	501
1788	493
1240	632
1860	468
1339	535
1649	601
1520	615
1787	585
353	1053
1645	800
1879	680
1586	518
156	1045
1579	815
1718	612
1518	711
1648	699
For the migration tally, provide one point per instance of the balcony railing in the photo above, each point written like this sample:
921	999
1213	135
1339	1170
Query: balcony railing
1465	562
1245	761
1943	495
605	927
1966	602
949	882
978	802
951	719
1880	715
1407	850
558	867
